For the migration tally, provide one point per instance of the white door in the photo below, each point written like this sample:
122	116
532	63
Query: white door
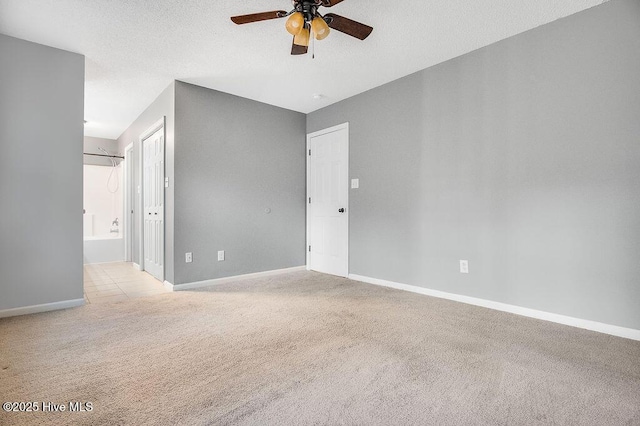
153	202
129	201
328	199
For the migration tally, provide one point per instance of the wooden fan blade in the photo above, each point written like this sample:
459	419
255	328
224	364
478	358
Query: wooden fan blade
255	17
298	50
347	26
329	3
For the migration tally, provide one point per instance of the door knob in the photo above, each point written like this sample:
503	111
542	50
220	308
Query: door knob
341	210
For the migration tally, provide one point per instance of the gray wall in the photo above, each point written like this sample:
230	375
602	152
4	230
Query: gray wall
235	158
163	106
522	157
41	126
91	146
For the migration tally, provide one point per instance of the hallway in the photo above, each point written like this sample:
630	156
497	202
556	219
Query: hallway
114	282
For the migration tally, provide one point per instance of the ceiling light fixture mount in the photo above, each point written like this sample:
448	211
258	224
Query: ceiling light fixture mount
305	20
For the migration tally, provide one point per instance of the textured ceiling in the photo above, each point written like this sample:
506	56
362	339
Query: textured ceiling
135	48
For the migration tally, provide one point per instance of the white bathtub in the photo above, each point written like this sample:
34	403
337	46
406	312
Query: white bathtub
103	248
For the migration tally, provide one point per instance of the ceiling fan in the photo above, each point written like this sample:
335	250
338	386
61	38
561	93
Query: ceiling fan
305	19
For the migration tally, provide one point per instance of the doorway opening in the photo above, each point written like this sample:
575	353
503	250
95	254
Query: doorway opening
112	204
103	189
108	200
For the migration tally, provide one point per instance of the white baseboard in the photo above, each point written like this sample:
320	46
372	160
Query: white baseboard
218	281
34	309
613	330
136	266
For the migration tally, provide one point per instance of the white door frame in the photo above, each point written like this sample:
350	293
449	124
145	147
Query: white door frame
309	136
128	202
160	124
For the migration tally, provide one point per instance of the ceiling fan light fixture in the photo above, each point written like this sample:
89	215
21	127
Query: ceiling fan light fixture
302	38
306	18
295	23
320	28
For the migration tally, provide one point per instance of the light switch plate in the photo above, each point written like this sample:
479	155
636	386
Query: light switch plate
220	255
188	257
355	183
464	266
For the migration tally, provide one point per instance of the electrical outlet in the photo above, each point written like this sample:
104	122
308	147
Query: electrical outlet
188	257
220	255
355	183
464	266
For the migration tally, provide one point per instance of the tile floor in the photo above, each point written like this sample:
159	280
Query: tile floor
113	282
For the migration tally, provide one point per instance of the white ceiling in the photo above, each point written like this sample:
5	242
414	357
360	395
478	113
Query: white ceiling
135	48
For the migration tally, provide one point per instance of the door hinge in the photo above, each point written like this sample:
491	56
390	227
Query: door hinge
309	249
309	153
309	200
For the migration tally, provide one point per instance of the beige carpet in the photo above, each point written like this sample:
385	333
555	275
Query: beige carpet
305	348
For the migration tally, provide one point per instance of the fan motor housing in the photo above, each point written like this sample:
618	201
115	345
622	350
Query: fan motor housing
309	8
